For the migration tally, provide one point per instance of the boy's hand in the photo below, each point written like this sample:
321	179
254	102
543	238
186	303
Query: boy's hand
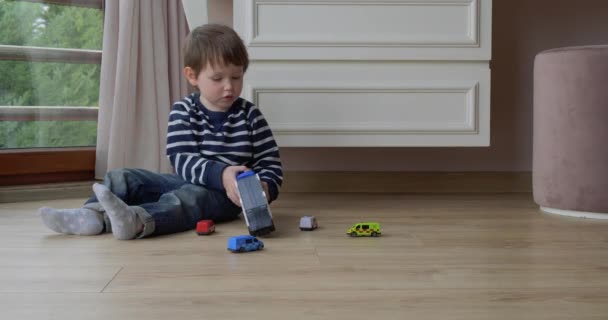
265	187
229	181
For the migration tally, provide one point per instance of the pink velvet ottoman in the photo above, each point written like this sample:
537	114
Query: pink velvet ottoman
570	156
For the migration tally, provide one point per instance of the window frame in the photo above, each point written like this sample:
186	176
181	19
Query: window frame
35	166
48	165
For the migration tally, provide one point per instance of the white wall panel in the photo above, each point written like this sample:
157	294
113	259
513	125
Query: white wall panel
356	104
365	30
370	72
439	109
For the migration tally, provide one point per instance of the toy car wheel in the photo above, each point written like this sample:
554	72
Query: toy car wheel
374	234
353	234
261	246
241	249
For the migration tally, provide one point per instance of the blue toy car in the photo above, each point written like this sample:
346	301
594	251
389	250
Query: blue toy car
255	206
244	243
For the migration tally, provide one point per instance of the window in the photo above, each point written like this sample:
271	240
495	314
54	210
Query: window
50	57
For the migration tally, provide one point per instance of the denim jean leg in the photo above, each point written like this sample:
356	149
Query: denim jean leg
136	186
181	209
219	208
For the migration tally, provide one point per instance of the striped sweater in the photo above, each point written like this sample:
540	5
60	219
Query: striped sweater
202	143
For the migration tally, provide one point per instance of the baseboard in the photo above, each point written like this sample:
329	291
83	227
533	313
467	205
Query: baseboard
316	181
48	191
408	182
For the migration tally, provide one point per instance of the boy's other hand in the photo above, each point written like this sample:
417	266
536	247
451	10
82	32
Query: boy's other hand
265	187
229	181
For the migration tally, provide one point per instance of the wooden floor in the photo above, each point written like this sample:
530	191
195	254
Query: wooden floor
488	256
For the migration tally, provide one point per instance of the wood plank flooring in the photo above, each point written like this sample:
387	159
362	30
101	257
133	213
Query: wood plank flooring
441	256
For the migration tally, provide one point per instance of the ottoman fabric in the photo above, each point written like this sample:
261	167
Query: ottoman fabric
570	149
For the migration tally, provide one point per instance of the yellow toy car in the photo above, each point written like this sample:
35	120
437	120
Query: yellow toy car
363	229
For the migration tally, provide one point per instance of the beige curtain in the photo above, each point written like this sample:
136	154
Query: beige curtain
140	78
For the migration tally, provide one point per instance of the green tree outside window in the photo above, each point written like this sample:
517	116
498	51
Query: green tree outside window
25	83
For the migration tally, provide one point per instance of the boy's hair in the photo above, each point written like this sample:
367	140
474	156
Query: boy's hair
214	44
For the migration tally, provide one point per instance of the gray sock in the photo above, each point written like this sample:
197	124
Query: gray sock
80	221
124	219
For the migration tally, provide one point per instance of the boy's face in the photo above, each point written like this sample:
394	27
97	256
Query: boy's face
220	86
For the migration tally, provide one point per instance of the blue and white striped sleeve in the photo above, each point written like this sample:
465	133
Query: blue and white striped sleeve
266	158
184	154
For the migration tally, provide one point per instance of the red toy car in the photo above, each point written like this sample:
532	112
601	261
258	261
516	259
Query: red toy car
205	227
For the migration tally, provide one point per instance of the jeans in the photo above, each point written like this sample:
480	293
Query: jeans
172	204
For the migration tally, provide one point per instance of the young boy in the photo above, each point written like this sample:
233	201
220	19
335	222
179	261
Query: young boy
213	135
